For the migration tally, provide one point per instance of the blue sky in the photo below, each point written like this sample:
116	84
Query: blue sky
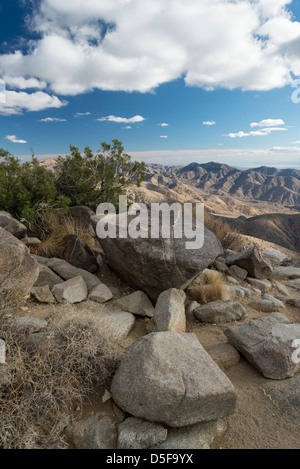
219	75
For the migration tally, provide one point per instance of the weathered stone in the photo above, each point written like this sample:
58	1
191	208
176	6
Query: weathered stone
106	396
156	264
281	288
224	354
73	290
168	377
30	241
238	272
253	261
96	432
286	272
267	344
135	433
169	314
274	255
42	294
101	293
293	302
189	309
77	253
82	216
13	226
120	323
2	351
280	303
47	277
18	271
263	285
67	271
136	303
220	312
266	306
199	436
27	324
233	292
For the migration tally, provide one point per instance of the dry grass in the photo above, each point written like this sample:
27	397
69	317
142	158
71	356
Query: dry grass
223	231
55	229
49	374
207	287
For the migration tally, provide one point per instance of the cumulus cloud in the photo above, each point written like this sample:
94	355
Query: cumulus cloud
53	119
164	124
16	102
130	45
122	120
254	133
209	123
267	123
14	139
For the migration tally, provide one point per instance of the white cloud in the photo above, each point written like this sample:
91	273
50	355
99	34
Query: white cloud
16	102
163	136
81	114
122	120
14	139
127	127
267	123
209	123
53	119
22	83
164	124
254	133
256	46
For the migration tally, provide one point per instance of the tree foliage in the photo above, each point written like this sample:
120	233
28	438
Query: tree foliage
93	178
27	190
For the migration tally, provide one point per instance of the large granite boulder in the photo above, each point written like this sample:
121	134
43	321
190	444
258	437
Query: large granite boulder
13	226
157	264
18	271
269	344
253	261
169	378
77	253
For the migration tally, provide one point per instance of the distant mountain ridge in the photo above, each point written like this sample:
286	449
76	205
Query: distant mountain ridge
262	184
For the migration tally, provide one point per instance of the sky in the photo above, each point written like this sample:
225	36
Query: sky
176	81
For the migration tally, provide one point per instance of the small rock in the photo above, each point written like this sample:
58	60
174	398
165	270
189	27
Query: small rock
272	298
135	433
106	396
274	255
136	303
43	294
286	272
262	284
77	253
73	290
189	309
47	277
27	323
2	352
238	272
293	302
120	323
220	312
95	432
281	288
101	293
169	314
266	306
198	436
